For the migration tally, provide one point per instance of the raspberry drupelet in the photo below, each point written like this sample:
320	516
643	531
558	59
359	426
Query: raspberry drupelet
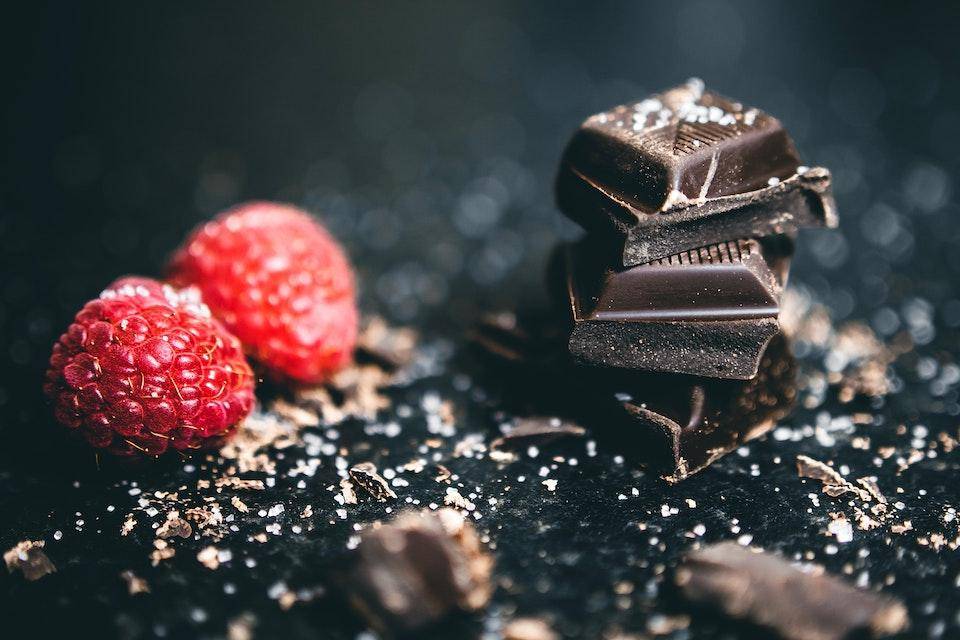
145	367
280	282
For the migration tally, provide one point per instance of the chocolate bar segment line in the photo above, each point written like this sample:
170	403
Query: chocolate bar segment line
708	318
728	281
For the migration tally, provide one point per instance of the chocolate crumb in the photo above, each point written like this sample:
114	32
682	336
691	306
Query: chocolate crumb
834	484
239	505
28	558
161	551
128	524
365	476
443	474
174	526
346	490
135	584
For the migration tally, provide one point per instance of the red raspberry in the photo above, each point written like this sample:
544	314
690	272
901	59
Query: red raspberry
280	282
144	366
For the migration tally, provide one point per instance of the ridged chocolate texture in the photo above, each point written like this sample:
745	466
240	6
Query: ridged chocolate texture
688	168
710	312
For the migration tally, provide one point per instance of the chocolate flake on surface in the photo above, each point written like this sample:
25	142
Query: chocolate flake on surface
258	432
537	431
161	551
346	490
415	570
128	524
28	558
834	484
366	477
239	505
770	592
174	526
135	584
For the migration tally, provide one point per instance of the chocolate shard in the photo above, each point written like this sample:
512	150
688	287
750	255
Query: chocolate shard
537	431
416	570
770	592
687	168
708	312
689	423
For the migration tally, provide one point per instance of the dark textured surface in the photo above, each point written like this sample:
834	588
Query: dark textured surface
427	139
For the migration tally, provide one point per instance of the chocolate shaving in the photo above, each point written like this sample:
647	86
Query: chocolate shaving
410	573
834	484
28	558
135	584
537	431
174	526
365	476
443	474
770	592
871	486
346	490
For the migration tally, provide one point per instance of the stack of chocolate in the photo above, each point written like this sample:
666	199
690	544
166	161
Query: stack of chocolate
692	202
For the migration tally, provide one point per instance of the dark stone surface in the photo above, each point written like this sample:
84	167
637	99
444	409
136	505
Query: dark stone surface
427	140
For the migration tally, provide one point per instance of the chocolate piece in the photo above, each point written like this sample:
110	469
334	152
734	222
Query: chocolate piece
537	431
410	573
28	558
365	476
676	424
797	605
685	169
693	422
708	312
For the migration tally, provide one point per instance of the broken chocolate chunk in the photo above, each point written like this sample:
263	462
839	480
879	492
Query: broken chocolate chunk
770	592
416	570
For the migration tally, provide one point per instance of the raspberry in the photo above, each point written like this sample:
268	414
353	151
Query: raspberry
143	367
280	282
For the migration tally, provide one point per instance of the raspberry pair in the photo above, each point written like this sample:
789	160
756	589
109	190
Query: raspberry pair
150	365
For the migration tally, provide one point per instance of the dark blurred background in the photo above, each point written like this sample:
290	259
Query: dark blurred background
425	136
